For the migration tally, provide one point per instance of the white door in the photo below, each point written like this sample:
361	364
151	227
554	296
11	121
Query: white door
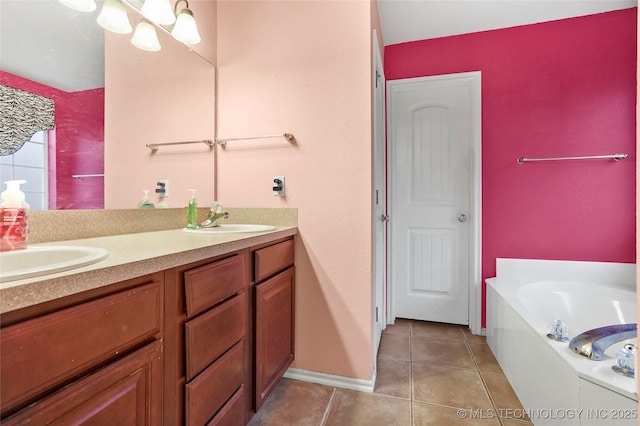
379	199
430	137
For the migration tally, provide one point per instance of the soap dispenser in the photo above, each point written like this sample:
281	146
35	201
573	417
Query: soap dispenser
192	212
145	203
15	215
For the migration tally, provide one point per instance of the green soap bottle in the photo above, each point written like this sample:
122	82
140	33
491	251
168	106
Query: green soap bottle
192	212
145	203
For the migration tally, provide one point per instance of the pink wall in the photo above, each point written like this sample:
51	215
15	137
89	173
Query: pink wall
560	88
305	68
160	97
637	180
76	144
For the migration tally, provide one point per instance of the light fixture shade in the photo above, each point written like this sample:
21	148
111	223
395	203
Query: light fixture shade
158	11
145	37
185	29
80	5
113	17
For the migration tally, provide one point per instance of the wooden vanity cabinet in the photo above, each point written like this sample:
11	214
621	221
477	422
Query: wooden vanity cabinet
123	393
207	362
199	344
273	273
98	360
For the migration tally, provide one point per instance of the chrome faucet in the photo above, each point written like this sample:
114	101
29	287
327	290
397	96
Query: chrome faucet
215	216
593	343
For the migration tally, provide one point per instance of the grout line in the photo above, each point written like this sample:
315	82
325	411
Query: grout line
325	416
411	366
411	419
486	387
455	367
381	395
411	341
484	383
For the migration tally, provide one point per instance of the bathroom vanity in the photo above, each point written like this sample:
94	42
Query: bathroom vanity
202	338
100	359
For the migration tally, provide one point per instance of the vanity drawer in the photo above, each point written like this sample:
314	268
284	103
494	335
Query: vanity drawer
208	285
208	392
273	259
232	412
41	353
212	333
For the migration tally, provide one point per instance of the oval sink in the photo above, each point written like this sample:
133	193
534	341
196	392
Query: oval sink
37	261
231	229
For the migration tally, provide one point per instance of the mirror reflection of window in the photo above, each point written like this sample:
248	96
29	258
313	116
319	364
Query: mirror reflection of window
55	52
29	163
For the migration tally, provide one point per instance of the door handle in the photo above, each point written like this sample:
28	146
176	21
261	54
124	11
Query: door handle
462	218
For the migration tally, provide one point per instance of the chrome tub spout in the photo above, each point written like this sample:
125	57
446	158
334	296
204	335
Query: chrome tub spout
593	343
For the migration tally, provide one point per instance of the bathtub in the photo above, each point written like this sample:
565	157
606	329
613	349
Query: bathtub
554	384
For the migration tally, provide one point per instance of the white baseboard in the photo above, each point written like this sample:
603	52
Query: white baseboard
331	380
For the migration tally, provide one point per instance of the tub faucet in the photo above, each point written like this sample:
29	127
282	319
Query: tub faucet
593	343
215	216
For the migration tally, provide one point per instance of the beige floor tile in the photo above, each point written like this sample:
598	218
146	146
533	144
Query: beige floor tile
453	387
401	326
473	338
428	350
293	402
441	379
484	358
394	378
395	346
437	330
503	396
434	415
357	408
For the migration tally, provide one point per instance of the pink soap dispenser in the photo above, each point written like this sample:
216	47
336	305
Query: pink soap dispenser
15	215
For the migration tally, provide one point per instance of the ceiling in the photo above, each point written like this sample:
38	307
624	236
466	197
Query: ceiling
410	20
52	44
47	42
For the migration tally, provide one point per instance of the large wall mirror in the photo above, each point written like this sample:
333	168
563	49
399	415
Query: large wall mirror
102	88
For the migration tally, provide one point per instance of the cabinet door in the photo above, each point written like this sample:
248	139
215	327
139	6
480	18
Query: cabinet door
213	333
39	355
274	328
210	284
209	391
272	259
127	392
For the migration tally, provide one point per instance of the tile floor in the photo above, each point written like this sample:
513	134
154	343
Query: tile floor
427	374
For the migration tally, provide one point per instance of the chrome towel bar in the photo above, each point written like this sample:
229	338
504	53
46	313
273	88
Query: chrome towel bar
89	175
222	142
288	136
616	157
156	146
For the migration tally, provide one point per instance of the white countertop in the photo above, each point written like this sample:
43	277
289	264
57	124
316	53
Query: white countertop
130	256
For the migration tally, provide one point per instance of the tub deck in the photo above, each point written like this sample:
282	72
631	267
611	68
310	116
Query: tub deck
523	300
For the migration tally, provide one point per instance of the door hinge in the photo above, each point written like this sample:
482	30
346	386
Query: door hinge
377	319
377	78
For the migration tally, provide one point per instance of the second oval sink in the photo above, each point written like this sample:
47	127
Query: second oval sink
43	260
232	229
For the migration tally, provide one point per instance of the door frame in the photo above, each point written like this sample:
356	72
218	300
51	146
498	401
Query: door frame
379	146
473	79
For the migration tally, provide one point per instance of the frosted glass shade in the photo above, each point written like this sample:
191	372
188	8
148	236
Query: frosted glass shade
145	37
113	17
81	5
158	11
185	29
